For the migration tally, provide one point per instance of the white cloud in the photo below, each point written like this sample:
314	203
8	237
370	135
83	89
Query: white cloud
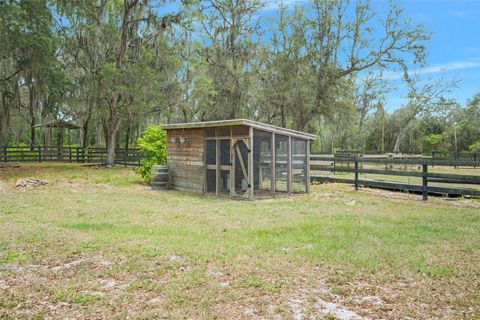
275	4
452	66
458	13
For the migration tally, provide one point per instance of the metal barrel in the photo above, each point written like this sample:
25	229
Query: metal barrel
160	177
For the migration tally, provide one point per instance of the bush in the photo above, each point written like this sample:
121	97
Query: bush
439	142
153	142
474	147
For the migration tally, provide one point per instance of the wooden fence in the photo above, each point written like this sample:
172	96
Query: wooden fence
433	174
432	181
127	157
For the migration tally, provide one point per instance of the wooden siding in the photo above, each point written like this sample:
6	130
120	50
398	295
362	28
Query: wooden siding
185	160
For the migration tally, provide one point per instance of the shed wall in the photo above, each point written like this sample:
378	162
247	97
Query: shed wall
185	160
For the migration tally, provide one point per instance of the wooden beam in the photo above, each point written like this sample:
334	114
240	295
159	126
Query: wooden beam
289	164
204	162
272	165
244	170
241	122
307	182
232	168
217	167
250	166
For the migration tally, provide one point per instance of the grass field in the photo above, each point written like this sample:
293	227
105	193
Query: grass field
97	244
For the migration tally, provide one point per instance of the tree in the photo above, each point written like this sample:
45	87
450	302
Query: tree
343	45
27	53
229	26
119	50
421	100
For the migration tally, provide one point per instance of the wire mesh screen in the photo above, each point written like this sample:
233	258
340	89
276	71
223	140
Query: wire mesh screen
299	166
224	183
281	163
241	169
211	151
262	163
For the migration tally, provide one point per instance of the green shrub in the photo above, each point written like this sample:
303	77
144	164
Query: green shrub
153	142
438	142
475	147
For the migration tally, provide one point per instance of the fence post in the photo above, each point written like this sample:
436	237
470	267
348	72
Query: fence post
424	180
5	157
39	153
356	173
70	154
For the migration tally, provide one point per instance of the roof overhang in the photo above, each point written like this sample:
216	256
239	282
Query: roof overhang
240	122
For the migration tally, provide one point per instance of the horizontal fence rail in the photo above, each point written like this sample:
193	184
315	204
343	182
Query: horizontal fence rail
389	167
323	168
123	156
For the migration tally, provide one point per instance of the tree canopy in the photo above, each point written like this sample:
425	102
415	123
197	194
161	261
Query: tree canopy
116	67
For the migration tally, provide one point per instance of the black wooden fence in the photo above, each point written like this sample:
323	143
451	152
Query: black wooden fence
323	168
128	157
444	183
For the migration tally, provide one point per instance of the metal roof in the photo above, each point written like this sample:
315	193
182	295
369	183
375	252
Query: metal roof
240	122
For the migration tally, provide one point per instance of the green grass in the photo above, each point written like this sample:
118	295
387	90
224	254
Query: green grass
192	256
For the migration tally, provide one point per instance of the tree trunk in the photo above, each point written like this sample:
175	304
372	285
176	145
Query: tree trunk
111	143
398	140
114	121
32	107
4	119
85	135
32	131
127	135
99	134
112	128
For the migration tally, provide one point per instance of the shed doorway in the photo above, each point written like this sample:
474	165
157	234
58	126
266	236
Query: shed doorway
241	169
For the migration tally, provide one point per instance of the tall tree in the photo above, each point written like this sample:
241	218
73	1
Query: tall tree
229	27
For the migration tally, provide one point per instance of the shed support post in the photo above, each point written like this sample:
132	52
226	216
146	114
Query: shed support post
250	165
425	181
289	165
307	173
217	171
232	167
272	165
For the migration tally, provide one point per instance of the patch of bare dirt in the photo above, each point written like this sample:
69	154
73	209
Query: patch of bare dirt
9	166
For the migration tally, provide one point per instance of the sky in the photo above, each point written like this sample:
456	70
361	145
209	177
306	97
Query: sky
453	50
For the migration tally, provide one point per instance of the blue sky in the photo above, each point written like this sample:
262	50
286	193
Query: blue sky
453	51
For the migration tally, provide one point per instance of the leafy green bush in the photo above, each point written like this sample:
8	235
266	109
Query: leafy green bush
438	142
153	142
475	147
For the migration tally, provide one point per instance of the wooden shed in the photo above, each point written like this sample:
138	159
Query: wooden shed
238	158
